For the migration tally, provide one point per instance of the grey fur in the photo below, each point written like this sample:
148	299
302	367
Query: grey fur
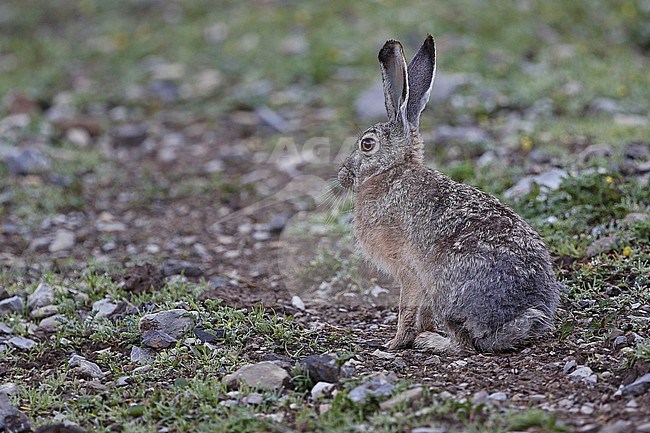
469	267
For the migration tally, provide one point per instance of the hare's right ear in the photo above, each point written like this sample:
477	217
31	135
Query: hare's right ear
421	72
395	79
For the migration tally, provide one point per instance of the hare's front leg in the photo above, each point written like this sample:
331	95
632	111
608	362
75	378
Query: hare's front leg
410	301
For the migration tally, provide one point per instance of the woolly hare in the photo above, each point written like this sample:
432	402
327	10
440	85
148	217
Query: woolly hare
474	275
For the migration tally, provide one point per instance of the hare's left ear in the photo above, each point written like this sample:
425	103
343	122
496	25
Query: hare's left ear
394	76
421	72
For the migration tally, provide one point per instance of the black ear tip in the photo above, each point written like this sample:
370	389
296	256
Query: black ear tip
430	45
389	49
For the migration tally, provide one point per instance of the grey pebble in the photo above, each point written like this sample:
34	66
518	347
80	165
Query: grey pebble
15	304
140	355
22	343
85	368
158	339
42	296
27	161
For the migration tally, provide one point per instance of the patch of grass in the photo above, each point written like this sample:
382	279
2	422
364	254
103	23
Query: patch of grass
567	216
543	421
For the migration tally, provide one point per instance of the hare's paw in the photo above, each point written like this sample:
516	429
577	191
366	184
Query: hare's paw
436	343
401	341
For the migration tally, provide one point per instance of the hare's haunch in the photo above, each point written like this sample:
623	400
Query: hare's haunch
473	274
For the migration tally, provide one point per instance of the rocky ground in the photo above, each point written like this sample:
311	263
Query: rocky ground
175	256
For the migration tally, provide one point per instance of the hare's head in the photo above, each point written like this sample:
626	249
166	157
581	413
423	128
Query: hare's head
397	141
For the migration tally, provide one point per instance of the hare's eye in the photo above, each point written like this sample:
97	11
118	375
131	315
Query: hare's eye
367	144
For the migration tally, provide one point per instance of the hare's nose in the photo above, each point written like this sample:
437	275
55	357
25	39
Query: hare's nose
345	177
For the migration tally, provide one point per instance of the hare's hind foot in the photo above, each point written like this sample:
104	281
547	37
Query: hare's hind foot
531	325
436	343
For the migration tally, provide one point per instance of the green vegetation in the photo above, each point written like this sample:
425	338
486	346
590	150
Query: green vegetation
535	66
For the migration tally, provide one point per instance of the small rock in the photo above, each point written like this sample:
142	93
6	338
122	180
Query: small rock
377	291
321	389
217	283
596	151
643	428
370	104
277	223
165	90
480	397
8	389
104	308
487	158
15	304
602	245
321	368
570	365
378	386
22	343
498	396
429	430
604	105
433	360
637	150
209	337
619	426
63	241
173	267
539	157
265	375
172	322
85	367
50	323
273	119
42	296
110	226
587	409
297	303
40	244
584	374
620	341
461	134
46	311
60	428
129	135
78	137
140	355
638	387
254	398
550	180
5	329
405	396
122	381
383	355
11	419
28	161
158	339
446	85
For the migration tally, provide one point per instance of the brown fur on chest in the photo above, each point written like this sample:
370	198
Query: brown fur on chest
380	236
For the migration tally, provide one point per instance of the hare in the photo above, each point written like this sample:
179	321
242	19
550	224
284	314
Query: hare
473	275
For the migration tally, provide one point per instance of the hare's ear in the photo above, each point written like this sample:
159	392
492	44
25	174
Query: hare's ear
421	72
395	78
